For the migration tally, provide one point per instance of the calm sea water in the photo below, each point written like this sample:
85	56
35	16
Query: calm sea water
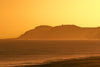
24	52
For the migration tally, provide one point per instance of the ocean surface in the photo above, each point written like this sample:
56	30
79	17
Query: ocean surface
31	52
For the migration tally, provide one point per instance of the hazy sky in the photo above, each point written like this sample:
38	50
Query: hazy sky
18	16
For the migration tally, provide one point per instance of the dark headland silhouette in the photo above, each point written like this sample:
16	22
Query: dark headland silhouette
63	32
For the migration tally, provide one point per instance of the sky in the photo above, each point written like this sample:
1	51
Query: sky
18	16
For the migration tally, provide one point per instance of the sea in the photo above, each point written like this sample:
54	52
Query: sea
35	52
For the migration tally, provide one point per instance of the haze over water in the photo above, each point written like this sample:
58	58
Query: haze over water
27	52
43	31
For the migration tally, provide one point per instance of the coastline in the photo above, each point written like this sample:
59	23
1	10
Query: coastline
82	62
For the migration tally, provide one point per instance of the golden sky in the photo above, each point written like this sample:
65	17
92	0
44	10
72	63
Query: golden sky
18	16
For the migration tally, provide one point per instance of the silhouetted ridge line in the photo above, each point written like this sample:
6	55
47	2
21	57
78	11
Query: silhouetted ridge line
63	32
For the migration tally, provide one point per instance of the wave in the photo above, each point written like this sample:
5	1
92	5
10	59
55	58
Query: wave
50	61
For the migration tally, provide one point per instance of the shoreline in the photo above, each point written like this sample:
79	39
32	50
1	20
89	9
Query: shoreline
80	62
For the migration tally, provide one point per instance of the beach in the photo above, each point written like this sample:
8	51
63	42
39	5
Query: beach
83	62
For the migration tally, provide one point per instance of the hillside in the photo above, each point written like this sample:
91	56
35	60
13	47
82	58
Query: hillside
63	32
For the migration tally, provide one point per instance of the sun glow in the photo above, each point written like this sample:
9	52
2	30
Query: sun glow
17	16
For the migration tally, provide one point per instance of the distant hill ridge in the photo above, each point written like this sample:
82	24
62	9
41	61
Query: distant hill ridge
63	32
